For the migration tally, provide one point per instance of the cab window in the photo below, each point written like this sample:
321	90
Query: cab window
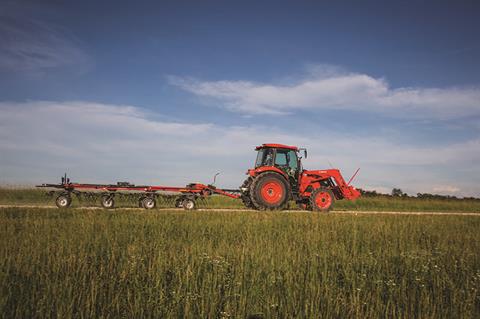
286	158
281	158
292	159
264	157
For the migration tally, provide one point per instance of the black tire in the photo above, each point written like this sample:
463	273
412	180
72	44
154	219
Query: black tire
179	202
140	202
189	204
107	202
245	197
248	202
322	200
63	201
270	191
149	203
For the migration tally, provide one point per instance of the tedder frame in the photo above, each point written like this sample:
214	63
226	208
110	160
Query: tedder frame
146	195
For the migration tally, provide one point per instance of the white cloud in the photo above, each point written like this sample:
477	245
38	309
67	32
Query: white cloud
328	88
446	189
105	143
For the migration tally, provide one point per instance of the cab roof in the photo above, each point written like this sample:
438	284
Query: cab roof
271	145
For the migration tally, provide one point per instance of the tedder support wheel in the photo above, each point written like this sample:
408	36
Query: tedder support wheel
270	191
107	202
189	204
179	202
140	202
149	203
63	201
322	200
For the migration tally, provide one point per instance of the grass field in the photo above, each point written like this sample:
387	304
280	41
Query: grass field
11	196
160	264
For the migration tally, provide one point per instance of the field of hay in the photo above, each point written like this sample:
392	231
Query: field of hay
210	264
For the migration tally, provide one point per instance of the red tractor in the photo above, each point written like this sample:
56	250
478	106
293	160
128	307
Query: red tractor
278	177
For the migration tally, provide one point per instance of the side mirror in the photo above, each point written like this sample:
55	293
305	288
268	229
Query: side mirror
304	151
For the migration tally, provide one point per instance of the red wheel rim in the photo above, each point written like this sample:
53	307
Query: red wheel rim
272	192
323	200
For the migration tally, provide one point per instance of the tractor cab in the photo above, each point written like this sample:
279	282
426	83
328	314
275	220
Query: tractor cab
283	157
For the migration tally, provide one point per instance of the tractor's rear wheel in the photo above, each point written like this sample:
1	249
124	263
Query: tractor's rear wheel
269	191
245	197
247	202
322	200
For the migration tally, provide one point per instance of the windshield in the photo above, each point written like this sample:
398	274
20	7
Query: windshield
286	158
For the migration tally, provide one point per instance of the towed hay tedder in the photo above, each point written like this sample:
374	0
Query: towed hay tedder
277	178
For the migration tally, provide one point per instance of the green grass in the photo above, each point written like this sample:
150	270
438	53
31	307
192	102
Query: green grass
10	196
383	203
18	196
160	264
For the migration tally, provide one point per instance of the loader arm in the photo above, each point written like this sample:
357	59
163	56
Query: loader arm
311	180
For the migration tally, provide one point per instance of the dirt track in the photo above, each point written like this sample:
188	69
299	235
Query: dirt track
288	211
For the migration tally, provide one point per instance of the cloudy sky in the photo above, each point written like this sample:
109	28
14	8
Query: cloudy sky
171	92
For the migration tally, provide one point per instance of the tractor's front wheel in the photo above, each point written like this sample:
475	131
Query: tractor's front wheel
322	200
269	191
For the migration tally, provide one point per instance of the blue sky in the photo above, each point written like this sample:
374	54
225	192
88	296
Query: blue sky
170	92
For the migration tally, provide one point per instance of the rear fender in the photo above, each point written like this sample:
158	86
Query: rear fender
259	170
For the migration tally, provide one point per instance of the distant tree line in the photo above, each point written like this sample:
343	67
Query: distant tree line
397	192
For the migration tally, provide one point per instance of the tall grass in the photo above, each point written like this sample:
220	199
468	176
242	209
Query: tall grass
32	196
160	264
383	203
